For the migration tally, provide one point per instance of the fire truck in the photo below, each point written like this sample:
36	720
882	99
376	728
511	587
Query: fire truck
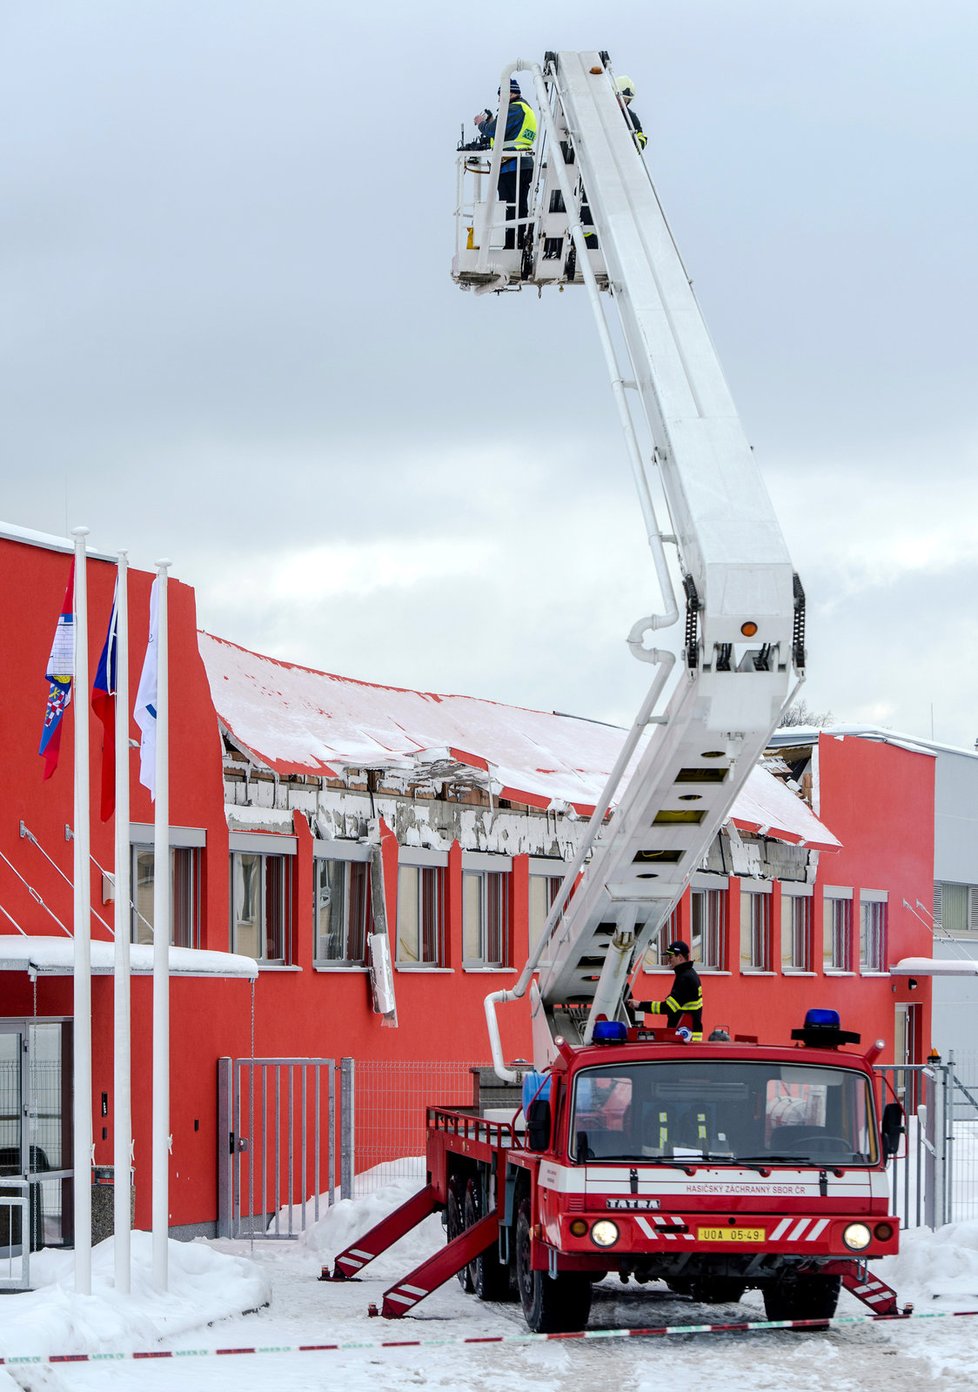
627	1148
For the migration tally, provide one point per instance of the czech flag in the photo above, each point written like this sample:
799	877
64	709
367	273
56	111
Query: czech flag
103	704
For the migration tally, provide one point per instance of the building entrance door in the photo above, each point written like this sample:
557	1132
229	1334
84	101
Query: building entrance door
35	1139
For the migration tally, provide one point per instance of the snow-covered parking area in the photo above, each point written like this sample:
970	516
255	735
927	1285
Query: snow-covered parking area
218	1294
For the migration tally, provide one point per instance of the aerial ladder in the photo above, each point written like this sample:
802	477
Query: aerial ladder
639	1153
594	218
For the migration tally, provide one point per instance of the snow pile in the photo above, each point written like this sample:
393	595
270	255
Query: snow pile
205	1286
349	1219
935	1266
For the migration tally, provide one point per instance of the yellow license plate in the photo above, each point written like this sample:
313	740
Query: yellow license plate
731	1234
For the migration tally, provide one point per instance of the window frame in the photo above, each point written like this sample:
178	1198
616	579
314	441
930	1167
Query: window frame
551	878
141	928
280	861
837	930
873	930
713	898
430	894
797	929
489	877
756	934
355	861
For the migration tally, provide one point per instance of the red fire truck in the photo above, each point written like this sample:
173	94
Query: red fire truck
713	1166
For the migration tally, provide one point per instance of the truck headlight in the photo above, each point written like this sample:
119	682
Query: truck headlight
604	1233
856	1236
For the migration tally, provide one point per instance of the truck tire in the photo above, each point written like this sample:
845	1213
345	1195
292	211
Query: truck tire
455	1223
551	1305
490	1279
716	1290
802	1297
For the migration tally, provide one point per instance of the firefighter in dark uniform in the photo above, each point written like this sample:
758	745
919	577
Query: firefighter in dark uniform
516	174
626	92
686	996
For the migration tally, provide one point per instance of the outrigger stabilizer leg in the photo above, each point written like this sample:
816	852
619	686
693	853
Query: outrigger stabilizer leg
447	1262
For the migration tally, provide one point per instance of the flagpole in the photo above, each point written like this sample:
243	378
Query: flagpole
161	950
122	1134
82	1066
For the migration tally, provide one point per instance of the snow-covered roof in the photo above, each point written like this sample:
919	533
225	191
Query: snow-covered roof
56	957
295	720
794	736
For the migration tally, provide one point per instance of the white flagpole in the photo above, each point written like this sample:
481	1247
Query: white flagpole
161	951
82	1067
122	1134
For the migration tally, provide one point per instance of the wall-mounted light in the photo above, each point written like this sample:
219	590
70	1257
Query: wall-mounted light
911	983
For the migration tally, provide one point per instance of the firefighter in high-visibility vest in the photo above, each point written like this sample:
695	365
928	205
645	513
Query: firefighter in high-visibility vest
516	174
686	996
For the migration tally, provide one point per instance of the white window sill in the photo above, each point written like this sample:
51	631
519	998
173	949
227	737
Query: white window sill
328	967
487	971
276	967
796	971
837	971
756	971
875	972
421	968
712	971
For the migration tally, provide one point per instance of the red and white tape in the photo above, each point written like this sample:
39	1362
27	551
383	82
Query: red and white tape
741	1327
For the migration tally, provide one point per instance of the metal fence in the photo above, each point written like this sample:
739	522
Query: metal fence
280	1136
934	1178
391	1098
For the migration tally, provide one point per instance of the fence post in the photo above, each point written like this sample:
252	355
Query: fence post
347	1130
225	1148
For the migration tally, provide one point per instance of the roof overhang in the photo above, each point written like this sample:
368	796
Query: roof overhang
39	956
935	966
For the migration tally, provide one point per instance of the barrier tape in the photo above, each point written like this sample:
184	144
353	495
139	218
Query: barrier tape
740	1327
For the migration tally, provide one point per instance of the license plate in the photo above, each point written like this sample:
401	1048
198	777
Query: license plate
731	1234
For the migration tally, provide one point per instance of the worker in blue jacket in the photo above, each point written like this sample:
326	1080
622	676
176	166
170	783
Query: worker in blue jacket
516	174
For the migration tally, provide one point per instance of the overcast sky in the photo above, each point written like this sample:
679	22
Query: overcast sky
229	334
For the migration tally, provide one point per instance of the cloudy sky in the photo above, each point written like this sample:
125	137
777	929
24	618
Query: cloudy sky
229	334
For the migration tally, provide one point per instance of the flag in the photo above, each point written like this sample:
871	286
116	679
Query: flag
146	697
59	672
103	704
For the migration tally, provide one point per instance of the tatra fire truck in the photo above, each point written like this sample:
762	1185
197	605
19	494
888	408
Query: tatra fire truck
626	1149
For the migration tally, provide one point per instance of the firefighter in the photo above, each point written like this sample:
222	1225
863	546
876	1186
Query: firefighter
686	996
626	91
515	175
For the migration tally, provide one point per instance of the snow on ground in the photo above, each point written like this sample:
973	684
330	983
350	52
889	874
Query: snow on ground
213	1282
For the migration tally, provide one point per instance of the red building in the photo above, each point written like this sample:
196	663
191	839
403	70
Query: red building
309	812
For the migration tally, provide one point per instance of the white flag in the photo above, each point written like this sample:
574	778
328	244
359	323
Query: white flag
146	697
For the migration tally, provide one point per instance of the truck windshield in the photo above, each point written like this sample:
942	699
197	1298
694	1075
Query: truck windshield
755	1112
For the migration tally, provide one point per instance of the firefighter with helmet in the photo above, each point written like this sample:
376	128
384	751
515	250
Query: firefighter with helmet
516	174
686	996
626	91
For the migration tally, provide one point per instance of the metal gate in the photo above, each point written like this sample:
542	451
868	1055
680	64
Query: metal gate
279	1143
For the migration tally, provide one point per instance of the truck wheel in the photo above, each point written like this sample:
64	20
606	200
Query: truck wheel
550	1306
803	1297
455	1224
716	1290
490	1279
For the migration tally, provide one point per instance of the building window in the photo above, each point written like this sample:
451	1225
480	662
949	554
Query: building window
261	903
184	895
485	918
837	932
542	895
755	931
796	932
872	932
343	912
708	927
956	908
420	915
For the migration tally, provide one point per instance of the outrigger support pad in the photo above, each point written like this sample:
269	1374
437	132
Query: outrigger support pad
383	1235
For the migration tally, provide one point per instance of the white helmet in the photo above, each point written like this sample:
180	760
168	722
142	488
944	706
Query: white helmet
626	88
